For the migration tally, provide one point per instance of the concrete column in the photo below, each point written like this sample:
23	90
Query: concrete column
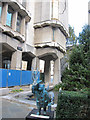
4	13
23	27
47	71
36	63
57	71
16	60
14	21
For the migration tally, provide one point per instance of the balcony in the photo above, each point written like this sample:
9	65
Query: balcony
50	44
53	23
10	32
21	9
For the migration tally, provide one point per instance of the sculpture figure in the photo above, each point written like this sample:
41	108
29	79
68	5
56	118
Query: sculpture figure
42	97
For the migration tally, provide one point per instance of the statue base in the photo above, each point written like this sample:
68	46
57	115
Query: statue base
33	115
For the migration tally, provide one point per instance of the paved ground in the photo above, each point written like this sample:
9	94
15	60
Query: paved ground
14	106
14	110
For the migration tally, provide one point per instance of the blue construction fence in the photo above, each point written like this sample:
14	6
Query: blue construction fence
15	77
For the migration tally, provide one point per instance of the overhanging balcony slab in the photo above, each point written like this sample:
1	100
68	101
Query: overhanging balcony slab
13	34
53	23
47	53
51	45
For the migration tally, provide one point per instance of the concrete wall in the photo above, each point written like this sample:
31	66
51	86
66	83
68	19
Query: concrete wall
46	11
42	11
43	35
63	13
43	6
46	34
29	26
60	38
9	41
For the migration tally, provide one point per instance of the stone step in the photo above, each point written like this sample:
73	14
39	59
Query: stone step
4	91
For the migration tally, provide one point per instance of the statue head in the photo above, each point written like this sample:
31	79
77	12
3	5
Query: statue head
36	86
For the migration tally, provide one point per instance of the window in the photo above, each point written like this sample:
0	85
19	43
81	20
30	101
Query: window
19	18
0	10
55	9
6	64
89	11
9	16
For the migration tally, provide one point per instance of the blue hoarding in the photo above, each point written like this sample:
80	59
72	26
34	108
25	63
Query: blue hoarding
3	77
15	77
26	78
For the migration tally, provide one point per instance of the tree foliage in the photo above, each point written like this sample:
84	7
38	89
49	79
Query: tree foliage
72	37
84	40
76	56
78	75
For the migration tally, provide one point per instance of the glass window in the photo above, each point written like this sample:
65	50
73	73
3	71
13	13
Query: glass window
19	18
0	10
6	64
9	16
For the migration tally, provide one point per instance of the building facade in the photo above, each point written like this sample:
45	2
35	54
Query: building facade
31	31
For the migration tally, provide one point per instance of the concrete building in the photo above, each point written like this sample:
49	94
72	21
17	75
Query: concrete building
31	31
89	13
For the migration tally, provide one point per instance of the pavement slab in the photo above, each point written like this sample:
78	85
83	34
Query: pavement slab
14	110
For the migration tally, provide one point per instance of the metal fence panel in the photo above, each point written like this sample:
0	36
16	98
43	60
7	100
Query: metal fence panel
26	78
14	77
3	77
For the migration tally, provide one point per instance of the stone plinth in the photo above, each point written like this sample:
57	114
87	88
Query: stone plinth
33	115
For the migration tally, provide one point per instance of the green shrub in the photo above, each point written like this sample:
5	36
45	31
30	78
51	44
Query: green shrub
73	104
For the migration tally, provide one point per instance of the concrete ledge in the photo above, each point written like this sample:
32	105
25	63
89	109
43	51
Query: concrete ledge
4	91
